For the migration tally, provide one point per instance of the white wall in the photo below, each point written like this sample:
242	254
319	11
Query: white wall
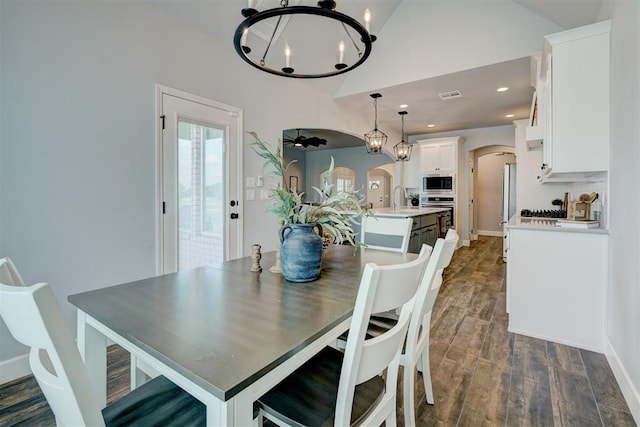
78	137
623	297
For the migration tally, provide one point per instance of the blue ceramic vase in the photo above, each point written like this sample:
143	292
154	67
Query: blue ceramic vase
300	252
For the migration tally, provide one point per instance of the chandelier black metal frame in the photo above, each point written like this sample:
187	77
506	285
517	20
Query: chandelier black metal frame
325	8
402	149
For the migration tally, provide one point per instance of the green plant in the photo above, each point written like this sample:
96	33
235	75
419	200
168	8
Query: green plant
337	210
414	196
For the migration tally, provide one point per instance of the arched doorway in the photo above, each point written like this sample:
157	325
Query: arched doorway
379	183
486	166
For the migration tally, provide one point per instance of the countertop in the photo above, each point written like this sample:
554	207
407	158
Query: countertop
542	224
407	211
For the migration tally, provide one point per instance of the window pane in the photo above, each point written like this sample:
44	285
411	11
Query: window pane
201	192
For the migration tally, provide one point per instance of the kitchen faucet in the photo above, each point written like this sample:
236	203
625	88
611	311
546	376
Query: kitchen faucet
395	206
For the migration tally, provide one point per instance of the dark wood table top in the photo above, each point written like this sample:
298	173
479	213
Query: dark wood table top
223	326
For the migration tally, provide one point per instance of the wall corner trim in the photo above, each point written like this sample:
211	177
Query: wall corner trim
629	390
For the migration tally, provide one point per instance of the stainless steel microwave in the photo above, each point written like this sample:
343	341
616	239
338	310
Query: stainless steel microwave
439	184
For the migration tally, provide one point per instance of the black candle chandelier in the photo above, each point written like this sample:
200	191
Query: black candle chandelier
375	139
290	41
402	149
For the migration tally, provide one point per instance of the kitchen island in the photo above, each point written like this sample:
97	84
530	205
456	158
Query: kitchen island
428	223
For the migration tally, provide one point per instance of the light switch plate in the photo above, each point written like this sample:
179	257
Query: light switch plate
251	181
264	194
259	181
251	194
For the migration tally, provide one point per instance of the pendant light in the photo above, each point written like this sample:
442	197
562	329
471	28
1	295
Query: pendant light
375	139
402	149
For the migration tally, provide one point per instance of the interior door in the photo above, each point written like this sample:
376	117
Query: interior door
201	148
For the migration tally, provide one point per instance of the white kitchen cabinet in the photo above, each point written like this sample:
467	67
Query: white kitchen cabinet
411	170
438	157
575	76
556	285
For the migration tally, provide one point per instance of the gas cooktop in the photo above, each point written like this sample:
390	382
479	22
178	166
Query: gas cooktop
543	213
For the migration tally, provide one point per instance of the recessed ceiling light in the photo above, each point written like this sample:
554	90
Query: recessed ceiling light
509	116
403	106
502	89
431	126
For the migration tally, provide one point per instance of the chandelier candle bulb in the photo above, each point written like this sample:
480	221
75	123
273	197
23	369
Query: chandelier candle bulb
367	19
341	49
245	33
287	54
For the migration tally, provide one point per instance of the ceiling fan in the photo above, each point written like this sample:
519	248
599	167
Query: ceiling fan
303	141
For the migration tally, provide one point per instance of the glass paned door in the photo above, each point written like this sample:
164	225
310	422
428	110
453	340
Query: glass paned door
201	171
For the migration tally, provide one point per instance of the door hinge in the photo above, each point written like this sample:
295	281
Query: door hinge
162	118
164	208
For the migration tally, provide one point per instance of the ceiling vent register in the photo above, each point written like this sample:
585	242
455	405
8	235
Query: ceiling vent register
450	95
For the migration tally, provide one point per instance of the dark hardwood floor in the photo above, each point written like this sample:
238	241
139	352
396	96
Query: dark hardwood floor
482	374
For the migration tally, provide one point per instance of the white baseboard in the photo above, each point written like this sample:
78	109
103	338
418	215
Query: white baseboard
15	368
490	233
466	242
629	390
596	349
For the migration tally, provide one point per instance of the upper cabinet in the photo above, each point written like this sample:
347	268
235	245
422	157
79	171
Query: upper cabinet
438	157
573	104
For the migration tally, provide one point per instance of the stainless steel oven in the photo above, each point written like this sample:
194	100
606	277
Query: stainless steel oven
433	201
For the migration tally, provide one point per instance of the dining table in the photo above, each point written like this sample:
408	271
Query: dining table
221	332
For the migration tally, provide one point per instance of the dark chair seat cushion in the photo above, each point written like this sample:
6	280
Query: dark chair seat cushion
158	402
377	326
308	396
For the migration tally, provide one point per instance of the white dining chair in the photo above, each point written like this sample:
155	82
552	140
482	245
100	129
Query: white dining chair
386	233
34	318
416	350
9	273
341	389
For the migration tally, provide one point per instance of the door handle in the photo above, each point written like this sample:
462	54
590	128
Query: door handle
234	203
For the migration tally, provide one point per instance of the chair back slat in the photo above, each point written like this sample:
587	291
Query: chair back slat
386	233
34	318
404	285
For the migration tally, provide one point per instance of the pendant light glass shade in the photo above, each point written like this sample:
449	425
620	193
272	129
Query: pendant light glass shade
375	139
402	149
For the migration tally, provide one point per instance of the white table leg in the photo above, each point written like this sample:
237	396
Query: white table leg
93	349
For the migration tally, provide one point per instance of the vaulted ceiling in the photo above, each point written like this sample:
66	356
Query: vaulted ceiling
479	106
